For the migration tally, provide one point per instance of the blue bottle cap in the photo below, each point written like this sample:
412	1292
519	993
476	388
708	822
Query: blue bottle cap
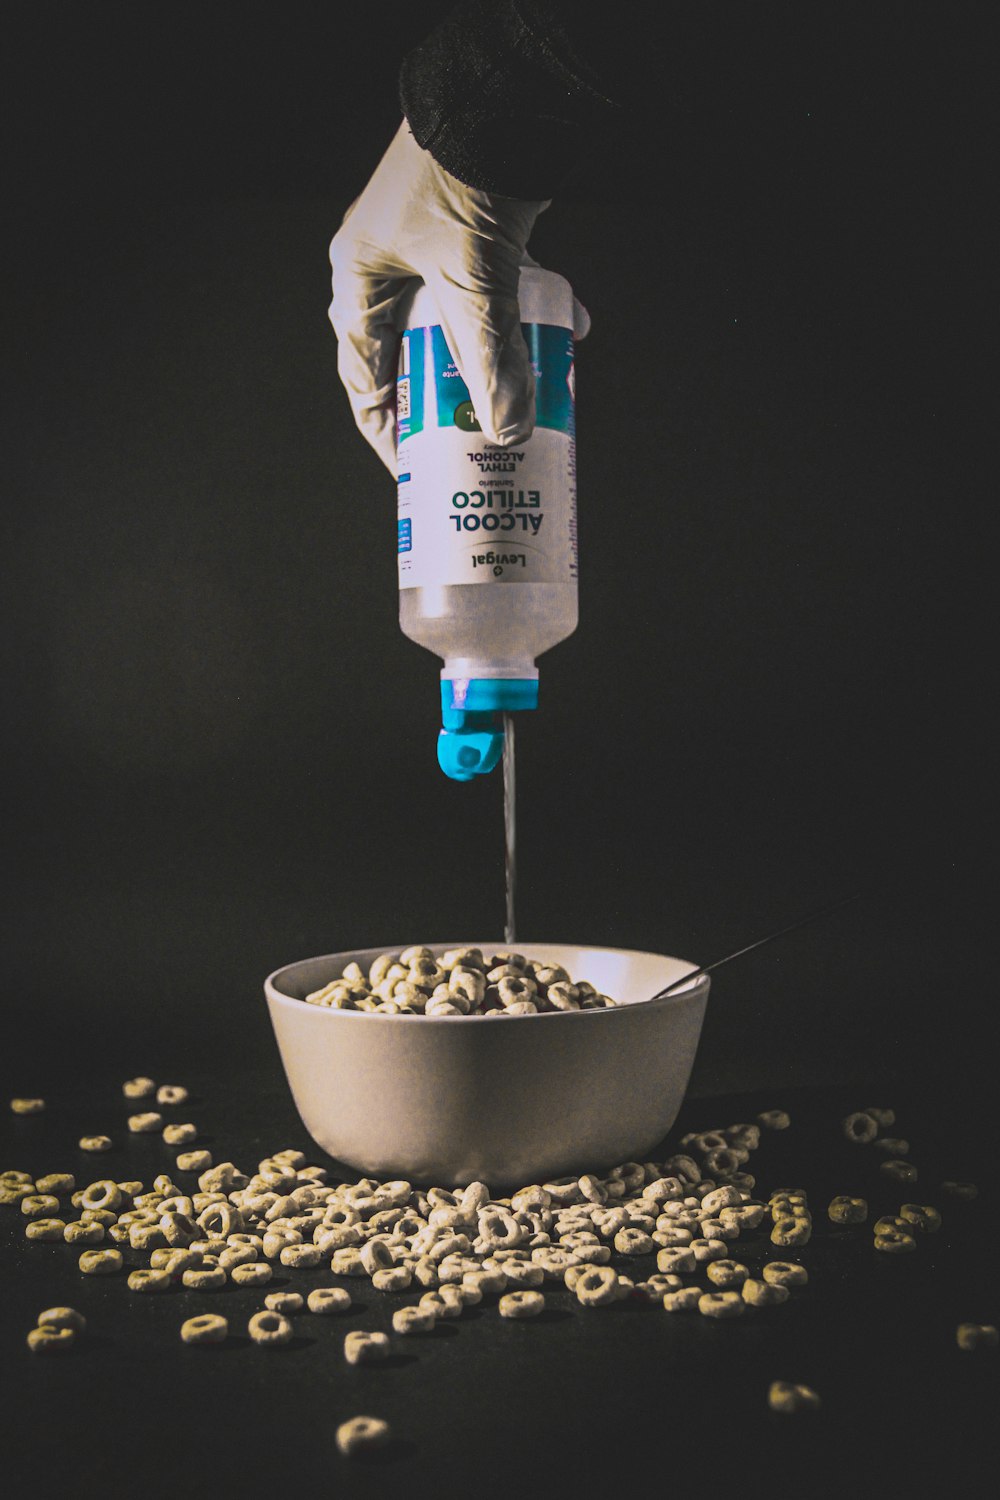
472	709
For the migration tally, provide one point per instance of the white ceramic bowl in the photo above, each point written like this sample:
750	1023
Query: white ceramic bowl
451	1099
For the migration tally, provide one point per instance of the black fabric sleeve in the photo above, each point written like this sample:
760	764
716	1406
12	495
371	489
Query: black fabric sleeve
512	96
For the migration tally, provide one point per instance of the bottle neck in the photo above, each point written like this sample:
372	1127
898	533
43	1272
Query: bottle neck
471	668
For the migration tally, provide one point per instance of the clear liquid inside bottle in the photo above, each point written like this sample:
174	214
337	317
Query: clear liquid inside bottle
494	629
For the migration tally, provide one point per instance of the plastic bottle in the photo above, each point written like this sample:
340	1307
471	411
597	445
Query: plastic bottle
486	535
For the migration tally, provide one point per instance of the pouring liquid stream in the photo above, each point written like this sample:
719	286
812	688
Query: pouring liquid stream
510	875
509	825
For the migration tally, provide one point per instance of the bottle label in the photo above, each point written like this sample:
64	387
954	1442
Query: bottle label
472	512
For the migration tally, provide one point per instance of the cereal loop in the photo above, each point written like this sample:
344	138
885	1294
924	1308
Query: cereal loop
101	1262
859	1127
727	1273
149	1281
966	1190
521	1304
783	1396
596	1286
63	1317
207	1328
328	1299
686	1299
95	1143
921	1216
764	1293
253	1273
47	1339
361	1348
899	1171
721	1305
285	1302
970	1336
844	1210
409	1320
138	1088
49	1230
269	1329
361	1435
894	1242
785	1273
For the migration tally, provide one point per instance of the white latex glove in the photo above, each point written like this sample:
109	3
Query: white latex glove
414	220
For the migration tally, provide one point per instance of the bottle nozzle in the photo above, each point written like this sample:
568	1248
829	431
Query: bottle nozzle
464	753
472	710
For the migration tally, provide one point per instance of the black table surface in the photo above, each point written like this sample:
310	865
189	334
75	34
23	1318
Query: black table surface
573	1401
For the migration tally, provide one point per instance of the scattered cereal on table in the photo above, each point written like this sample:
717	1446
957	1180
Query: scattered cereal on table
784	1273
101	1262
685	1299
83	1232
414	1319
362	1348
59	1183
846	1210
521	1304
285	1302
207	1328
899	1171
63	1317
976	1336
784	1396
46	1230
205	1278
361	1435
727	1273
105	1193
859	1127
47	1339
967	1190
758	1293
328	1299
95	1143
149	1281
194	1161
920	1216
257	1273
444	1302
138	1088
721	1305
894	1242
787	1231
269	1329
171	1093
892	1145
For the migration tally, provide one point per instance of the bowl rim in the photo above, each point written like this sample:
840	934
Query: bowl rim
698	988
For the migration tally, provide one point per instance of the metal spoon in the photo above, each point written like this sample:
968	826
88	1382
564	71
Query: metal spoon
824	911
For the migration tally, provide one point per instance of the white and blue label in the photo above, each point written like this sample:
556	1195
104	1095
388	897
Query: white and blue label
474	512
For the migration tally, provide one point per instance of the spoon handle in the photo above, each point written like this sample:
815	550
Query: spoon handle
814	916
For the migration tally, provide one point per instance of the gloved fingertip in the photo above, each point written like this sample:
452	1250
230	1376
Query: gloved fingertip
581	320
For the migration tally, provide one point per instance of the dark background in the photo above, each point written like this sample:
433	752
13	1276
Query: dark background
220	749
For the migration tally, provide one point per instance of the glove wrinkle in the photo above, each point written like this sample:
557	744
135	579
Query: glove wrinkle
416	221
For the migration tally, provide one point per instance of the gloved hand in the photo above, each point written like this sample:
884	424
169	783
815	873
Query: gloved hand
414	220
